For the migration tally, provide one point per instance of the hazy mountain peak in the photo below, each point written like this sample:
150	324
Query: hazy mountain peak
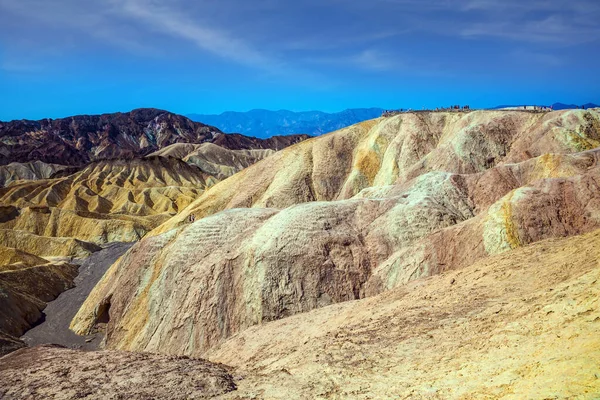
266	123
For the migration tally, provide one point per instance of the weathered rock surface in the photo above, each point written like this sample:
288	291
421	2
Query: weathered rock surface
392	151
45	372
212	159
408	197
523	324
28	171
80	139
57	213
8	344
108	201
12	256
46	247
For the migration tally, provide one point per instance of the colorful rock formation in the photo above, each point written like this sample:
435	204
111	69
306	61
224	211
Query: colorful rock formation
351	215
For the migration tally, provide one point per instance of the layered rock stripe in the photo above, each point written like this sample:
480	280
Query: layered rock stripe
120	200
212	159
27	283
108	201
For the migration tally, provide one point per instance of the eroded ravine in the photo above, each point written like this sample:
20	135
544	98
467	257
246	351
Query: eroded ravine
58	313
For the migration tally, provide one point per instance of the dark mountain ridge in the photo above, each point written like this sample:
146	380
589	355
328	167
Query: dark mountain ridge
81	139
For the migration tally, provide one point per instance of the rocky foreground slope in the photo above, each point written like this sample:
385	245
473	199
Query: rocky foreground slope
349	215
53	372
521	324
518	325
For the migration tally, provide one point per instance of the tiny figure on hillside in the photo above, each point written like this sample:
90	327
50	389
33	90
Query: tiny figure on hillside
191	218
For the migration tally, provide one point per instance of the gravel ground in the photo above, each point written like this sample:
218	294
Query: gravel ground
60	312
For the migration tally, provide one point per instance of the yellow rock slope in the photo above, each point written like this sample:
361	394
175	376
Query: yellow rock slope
105	202
520	325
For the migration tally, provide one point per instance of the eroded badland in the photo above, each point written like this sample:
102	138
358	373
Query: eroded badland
434	255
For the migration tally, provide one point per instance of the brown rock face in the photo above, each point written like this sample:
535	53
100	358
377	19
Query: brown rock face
235	141
55	372
8	344
80	139
26	290
397	199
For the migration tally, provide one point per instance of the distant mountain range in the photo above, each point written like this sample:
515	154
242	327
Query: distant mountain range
562	106
265	123
555	106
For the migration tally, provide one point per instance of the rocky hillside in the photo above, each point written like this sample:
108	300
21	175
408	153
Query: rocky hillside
212	159
33	170
117	200
80	139
50	214
522	324
424	255
350	215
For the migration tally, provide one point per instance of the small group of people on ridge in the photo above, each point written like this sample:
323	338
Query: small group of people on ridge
391	113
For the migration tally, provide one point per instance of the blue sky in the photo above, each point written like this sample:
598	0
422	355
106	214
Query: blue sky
65	57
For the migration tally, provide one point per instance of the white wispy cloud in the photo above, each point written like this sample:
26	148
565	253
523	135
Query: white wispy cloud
125	23
557	21
161	17
374	60
367	60
553	29
17	66
275	37
85	17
